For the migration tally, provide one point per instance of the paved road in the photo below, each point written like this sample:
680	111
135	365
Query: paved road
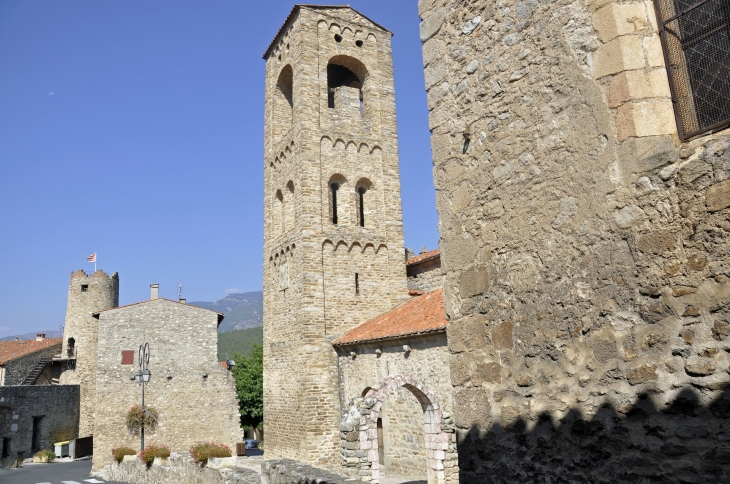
53	473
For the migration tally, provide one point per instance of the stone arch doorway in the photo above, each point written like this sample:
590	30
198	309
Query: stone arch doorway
359	433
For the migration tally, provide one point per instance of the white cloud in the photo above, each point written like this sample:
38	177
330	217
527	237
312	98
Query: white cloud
51	93
231	290
4	329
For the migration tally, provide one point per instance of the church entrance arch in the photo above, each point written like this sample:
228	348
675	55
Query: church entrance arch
360	432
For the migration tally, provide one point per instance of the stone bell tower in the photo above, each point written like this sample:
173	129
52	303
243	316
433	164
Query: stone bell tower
333	229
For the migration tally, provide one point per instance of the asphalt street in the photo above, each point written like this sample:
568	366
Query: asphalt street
76	472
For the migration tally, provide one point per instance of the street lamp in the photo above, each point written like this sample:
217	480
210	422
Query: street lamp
143	376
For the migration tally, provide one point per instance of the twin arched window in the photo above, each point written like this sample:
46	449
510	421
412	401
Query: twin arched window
339	205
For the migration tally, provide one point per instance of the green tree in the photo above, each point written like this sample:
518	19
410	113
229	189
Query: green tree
249	376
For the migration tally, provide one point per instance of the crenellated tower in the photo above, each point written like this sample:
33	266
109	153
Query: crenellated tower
333	231
86	294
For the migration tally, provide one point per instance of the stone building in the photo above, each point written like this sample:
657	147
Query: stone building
334	258
22	361
390	359
194	396
333	236
86	294
424	271
34	418
584	235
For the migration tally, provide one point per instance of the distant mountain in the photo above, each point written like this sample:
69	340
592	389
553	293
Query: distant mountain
50	333
242	310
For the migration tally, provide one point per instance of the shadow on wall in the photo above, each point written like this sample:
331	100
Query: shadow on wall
682	442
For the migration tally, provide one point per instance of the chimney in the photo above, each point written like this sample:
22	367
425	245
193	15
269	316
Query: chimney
183	300
154	291
40	337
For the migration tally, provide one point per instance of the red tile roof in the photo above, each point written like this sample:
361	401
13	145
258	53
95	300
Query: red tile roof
10	350
423	257
419	315
299	6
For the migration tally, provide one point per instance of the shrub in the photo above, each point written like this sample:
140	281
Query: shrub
136	417
45	453
120	452
202	451
149	453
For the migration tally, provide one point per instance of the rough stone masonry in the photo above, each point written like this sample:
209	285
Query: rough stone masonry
333	231
585	248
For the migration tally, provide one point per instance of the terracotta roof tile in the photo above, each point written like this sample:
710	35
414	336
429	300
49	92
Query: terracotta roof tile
419	315
423	257
10	350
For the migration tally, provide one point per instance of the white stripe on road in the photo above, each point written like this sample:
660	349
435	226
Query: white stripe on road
70	482
92	481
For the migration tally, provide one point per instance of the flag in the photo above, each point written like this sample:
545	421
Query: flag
91	258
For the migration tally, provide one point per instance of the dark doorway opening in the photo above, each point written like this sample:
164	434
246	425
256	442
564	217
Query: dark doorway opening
35	443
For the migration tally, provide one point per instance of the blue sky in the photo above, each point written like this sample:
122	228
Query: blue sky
135	129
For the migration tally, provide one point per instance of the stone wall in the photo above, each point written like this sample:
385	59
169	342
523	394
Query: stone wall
401	411
86	294
194	396
286	471
585	249
58	405
310	263
182	469
16	370
404	441
425	276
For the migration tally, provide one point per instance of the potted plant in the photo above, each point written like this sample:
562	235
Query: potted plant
202	452
120	452
137	417
44	456
158	455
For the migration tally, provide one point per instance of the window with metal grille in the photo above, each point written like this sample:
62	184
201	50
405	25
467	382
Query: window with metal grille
695	37
128	357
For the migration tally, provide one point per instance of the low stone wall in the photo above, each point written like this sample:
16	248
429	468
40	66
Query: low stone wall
287	471
182	470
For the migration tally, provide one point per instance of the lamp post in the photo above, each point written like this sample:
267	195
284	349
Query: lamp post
143	376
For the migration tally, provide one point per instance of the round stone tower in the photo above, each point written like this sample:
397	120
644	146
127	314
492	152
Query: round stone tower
86	295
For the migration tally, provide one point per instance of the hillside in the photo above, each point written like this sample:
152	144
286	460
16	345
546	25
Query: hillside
242	310
50	333
238	341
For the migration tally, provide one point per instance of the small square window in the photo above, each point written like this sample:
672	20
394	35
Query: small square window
84	287
128	357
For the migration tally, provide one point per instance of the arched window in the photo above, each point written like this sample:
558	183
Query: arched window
278	213
338	200
333	189
71	347
283	103
346	84
363	201
289	207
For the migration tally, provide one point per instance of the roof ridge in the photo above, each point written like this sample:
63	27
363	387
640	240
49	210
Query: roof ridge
299	6
158	299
